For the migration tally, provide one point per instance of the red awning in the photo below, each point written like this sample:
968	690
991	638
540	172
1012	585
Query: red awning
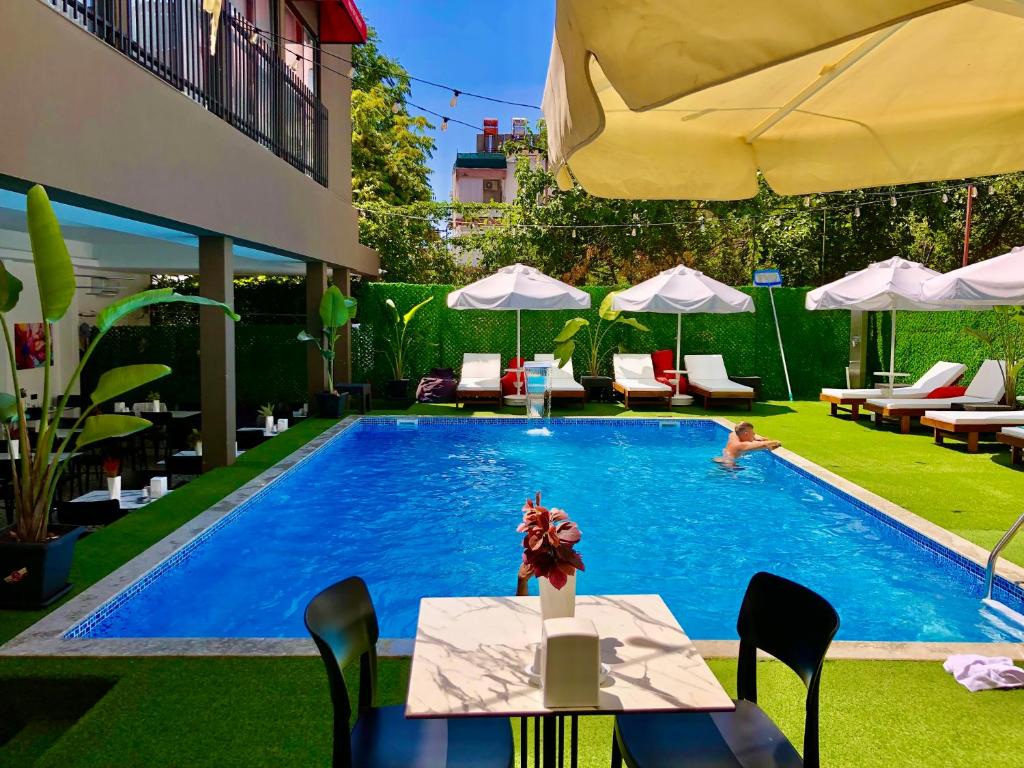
341	22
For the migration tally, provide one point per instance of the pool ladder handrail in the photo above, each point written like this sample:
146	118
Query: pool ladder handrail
990	567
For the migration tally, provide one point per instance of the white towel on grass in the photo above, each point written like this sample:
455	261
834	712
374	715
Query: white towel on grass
981	673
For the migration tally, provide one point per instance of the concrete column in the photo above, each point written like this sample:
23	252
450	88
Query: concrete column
343	362
316	284
336	95
217	353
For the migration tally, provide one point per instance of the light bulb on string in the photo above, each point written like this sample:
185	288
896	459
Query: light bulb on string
856	212
945	197
632	232
974	191
574	233
253	37
807	201
444	123
991	189
455	99
396	107
892	201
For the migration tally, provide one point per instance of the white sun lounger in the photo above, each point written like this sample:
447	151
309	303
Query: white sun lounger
969	423
986	388
942	374
708	379
634	378
481	378
561	380
1013	437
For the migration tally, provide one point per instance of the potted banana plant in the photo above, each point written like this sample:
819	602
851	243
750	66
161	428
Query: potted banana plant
336	310
398	340
36	553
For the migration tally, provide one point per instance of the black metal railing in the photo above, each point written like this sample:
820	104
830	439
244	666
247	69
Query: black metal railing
246	82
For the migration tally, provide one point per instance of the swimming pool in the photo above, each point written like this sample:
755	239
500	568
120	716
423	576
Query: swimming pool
429	507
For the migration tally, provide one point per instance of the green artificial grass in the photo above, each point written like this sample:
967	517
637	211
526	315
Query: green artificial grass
75	712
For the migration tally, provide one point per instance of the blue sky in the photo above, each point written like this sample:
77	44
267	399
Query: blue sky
493	48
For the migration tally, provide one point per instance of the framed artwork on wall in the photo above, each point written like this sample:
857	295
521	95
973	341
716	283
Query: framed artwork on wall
29	345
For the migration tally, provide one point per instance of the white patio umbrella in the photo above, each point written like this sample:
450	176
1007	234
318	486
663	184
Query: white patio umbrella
998	281
518	287
885	286
682	291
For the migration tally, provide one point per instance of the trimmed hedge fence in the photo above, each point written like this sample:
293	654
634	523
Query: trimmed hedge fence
270	363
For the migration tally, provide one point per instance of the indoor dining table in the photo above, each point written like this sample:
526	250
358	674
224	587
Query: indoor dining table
473	655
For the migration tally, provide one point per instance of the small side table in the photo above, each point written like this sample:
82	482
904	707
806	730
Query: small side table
598	388
679	399
359	393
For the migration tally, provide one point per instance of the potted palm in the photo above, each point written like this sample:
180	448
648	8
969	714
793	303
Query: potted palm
597	343
398	340
35	554
336	310
1006	343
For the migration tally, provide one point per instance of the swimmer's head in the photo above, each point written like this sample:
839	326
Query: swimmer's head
744	431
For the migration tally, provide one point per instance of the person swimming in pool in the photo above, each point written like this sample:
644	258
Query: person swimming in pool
743	440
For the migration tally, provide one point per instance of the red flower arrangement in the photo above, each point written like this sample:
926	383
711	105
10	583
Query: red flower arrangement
548	546
111	466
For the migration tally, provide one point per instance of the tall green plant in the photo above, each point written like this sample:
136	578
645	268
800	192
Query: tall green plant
35	475
398	338
595	336
1006	342
336	309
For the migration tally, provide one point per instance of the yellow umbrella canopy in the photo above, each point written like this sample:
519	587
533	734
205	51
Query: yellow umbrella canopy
686	99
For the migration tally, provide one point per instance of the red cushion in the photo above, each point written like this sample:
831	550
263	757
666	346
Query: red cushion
508	381
944	392
663	361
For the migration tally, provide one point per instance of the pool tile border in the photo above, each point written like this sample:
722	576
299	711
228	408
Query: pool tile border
59	633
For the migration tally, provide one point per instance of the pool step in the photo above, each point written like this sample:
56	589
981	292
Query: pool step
669	423
1005	618
407	422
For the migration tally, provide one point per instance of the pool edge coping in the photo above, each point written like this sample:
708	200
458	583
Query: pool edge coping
46	636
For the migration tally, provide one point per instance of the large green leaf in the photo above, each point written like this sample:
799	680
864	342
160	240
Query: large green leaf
8	407
407	318
10	289
570	329
983	336
563	352
107	426
117	381
305	336
336	309
54	273
632	322
606	312
114	312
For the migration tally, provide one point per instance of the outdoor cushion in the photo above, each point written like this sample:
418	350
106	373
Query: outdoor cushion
664	360
721	385
989	383
560	379
976	417
939	375
476	365
1017	432
476	385
636	367
705	367
644	385
508	381
851	393
946	392
923	403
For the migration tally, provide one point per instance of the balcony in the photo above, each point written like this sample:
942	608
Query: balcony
246	83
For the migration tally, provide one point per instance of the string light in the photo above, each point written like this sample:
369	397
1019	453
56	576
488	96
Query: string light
396	107
945	197
254	37
444	123
892	201
991	189
632	232
807	202
455	99
856	212
574	233
974	191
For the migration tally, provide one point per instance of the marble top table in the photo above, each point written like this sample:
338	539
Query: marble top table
127	500
471	656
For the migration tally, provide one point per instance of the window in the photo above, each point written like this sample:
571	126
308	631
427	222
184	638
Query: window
300	55
492	191
256	12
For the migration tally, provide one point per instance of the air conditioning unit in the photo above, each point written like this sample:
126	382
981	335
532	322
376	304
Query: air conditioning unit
492	185
519	127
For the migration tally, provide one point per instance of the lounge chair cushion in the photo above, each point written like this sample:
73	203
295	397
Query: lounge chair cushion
721	386
479	385
944	393
1017	432
954	418
636	367
850	394
560	379
989	383
924	404
664	360
939	375
644	385
477	365
705	368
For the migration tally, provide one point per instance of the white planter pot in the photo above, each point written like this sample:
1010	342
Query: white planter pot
268	425
15	449
156	406
199	447
557	603
114	487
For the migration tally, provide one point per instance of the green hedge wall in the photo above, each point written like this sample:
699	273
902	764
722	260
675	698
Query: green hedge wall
816	342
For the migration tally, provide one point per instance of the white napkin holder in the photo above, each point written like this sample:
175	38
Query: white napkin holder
570	663
120	407
157	487
282	425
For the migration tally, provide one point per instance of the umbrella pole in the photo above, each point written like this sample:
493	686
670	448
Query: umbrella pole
782	352
519	354
679	361
892	353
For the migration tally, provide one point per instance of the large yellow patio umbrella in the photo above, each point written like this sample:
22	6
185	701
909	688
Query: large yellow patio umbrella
688	99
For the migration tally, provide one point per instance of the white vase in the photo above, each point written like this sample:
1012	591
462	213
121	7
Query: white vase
114	487
15	449
199	447
156	406
557	603
268	425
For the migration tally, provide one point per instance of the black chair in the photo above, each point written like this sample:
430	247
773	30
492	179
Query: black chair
788	621
182	466
250	438
89	513
343	624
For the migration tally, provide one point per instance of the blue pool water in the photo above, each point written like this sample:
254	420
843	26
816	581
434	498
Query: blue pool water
432	511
